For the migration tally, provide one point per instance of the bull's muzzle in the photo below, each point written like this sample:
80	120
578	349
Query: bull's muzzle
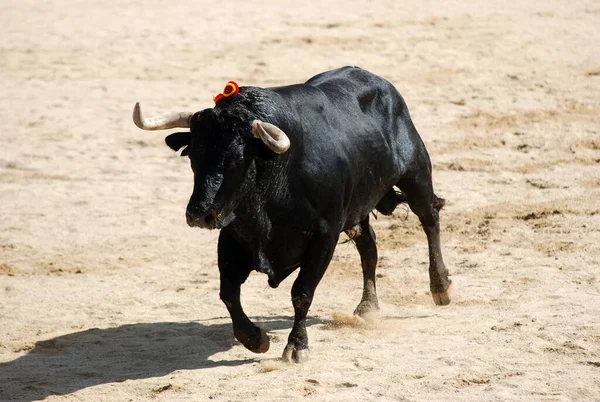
207	221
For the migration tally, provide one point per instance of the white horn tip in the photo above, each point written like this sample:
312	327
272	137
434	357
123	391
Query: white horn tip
255	128
137	115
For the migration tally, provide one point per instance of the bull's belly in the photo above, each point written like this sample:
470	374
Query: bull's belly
365	198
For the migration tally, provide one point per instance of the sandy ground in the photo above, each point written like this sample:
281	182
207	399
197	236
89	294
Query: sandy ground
107	295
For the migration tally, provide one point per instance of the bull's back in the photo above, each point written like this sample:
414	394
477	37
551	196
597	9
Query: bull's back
352	140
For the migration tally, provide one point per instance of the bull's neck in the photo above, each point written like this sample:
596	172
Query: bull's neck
264	189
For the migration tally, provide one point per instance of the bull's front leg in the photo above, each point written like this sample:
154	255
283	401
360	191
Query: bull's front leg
312	269
234	269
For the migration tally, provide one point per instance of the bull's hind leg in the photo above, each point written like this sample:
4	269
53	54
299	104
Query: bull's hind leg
367	248
424	203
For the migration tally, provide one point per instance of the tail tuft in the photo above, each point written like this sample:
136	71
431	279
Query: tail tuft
438	203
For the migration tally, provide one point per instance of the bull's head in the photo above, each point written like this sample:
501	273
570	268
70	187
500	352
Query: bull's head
221	150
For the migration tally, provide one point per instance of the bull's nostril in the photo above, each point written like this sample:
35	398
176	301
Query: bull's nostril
196	217
210	218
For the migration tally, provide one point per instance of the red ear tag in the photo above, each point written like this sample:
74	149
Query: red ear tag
232	88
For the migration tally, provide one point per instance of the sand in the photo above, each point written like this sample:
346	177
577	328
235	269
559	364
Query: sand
107	295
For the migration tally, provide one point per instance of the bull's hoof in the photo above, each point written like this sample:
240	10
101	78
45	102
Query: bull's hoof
291	355
365	308
258	342
443	298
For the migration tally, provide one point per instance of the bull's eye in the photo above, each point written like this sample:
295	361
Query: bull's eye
236	163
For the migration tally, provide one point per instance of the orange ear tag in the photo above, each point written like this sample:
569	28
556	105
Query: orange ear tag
232	88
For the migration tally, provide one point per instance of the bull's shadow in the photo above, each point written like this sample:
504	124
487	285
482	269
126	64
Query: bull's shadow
97	356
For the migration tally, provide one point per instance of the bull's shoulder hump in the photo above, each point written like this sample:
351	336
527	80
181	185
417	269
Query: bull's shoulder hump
347	76
345	82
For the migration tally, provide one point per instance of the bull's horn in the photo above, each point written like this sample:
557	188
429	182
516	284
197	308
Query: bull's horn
177	119
271	135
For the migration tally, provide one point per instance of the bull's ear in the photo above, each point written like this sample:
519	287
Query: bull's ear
176	141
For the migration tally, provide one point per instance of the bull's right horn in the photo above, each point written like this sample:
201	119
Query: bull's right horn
271	135
173	120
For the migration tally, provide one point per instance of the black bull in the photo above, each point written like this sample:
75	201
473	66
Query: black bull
283	171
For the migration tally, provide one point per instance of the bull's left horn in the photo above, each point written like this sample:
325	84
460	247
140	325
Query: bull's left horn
271	135
173	120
